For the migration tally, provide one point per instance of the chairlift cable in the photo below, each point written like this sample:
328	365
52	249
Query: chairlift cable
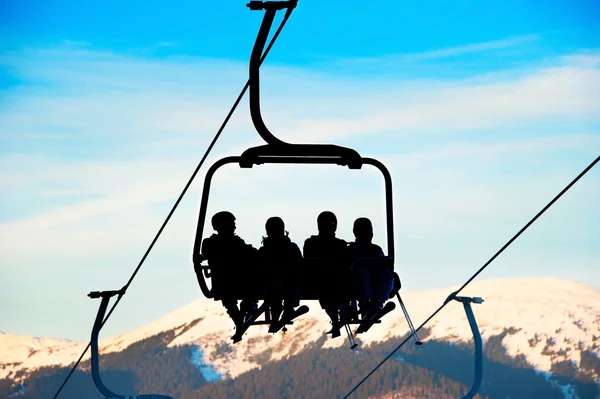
183	192
455	293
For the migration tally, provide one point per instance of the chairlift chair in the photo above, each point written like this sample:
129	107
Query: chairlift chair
277	151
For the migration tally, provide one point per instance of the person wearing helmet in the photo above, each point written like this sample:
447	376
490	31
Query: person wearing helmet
279	258
232	263
327	245
376	280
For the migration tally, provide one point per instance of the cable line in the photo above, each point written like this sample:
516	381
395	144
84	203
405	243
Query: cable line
455	293
183	192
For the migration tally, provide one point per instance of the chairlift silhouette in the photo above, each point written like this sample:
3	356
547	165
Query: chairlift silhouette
277	151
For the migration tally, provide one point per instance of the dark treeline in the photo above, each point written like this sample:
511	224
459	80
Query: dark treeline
590	361
437	369
147	366
330	373
503	375
5	387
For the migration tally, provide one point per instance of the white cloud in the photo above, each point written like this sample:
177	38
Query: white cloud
91	171
180	103
554	94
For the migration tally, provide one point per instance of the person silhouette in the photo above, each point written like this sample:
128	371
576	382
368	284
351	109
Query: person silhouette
280	258
376	280
327	245
233	263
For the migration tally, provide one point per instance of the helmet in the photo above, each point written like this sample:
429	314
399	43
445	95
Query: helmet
327	222
363	228
222	219
275	226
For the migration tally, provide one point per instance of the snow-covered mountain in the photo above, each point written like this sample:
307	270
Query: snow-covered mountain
550	320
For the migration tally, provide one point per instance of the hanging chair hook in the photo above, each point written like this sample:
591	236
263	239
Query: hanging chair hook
271	8
275	147
272	5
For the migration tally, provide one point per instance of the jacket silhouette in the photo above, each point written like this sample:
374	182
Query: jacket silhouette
375	279
279	260
233	266
333	269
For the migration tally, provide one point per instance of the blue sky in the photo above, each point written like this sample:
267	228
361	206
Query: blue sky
482	111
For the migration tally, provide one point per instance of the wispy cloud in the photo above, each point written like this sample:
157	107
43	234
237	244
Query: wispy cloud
149	124
556	94
93	158
76	43
475	48
471	48
180	104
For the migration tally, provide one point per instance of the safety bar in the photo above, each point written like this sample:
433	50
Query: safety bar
411	326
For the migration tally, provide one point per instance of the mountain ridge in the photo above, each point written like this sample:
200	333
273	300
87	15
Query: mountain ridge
551	320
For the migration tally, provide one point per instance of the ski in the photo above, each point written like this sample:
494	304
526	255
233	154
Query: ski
242	328
365	325
279	324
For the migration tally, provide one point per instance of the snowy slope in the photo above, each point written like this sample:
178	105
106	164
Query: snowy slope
541	309
17	352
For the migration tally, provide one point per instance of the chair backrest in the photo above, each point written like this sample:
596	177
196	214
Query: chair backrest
318	278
